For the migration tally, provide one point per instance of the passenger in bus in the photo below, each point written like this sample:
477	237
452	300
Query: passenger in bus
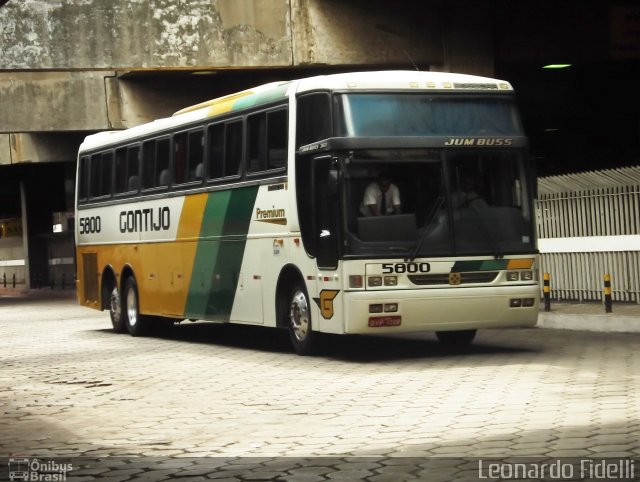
381	198
467	195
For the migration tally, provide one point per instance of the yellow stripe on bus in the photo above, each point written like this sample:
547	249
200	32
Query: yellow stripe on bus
191	216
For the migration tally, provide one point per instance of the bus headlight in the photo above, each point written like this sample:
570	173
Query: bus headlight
374	281
391	281
526	275
513	276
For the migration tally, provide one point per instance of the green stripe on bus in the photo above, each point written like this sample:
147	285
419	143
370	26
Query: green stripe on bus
276	93
479	265
218	259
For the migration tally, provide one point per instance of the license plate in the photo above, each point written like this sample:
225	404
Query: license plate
379	321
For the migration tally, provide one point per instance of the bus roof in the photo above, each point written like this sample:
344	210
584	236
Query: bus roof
354	81
402	80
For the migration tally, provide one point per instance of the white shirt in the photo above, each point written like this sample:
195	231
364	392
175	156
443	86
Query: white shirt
373	195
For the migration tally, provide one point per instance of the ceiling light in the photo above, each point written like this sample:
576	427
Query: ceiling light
556	66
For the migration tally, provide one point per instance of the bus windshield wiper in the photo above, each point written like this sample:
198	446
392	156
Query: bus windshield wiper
485	232
425	230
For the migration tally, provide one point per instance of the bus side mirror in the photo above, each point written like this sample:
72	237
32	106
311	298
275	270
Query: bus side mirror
326	212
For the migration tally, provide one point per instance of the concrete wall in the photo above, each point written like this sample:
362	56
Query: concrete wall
167	34
125	34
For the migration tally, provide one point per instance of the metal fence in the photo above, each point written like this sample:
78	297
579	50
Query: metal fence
589	225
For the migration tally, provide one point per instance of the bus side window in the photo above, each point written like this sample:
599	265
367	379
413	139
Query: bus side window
196	155
127	170
83	179
314	118
163	151
257	125
216	151
148	164
101	174
179	158
267	138
277	139
121	177
133	168
233	148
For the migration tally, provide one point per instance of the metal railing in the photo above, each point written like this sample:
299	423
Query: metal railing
589	226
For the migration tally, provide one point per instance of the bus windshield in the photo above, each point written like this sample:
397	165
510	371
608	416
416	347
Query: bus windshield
376	114
439	203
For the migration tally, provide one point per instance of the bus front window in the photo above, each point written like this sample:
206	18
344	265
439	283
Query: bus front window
465	202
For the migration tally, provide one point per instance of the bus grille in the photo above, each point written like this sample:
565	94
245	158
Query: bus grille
443	279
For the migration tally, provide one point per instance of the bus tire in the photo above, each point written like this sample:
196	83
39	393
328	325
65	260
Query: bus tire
303	338
137	324
457	339
116	311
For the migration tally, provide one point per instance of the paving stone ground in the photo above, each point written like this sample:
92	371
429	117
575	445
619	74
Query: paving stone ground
205	401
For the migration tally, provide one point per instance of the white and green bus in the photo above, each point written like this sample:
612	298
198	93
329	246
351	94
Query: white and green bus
248	209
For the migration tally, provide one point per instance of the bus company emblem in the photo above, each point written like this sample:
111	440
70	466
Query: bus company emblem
480	142
455	279
325	303
273	216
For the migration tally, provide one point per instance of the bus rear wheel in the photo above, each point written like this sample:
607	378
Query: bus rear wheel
137	324
116	311
457	339
303	338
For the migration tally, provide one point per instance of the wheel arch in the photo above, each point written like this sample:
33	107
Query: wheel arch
108	281
127	271
289	274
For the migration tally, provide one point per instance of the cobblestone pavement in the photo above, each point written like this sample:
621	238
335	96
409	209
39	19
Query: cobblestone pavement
205	401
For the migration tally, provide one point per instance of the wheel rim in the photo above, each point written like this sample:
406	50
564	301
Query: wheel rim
114	305
299	315
132	307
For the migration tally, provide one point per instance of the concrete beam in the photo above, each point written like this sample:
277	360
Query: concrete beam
360	32
39	147
5	149
125	35
137	34
52	101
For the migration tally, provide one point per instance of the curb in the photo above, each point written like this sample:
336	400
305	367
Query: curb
608	323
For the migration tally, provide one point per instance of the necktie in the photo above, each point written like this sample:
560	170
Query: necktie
383	204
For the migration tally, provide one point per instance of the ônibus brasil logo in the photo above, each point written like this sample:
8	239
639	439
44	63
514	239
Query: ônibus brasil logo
25	469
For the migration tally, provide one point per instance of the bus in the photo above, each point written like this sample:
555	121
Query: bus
248	209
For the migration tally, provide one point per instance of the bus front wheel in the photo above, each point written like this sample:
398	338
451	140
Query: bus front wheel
116	311
137	324
303	338
458	339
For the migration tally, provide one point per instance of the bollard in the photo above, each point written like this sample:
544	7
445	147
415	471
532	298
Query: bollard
607	293
546	292
4	280
14	280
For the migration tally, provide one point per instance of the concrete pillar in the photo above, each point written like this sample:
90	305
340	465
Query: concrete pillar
25	236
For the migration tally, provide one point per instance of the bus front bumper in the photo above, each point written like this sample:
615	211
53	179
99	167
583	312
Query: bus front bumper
441	309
